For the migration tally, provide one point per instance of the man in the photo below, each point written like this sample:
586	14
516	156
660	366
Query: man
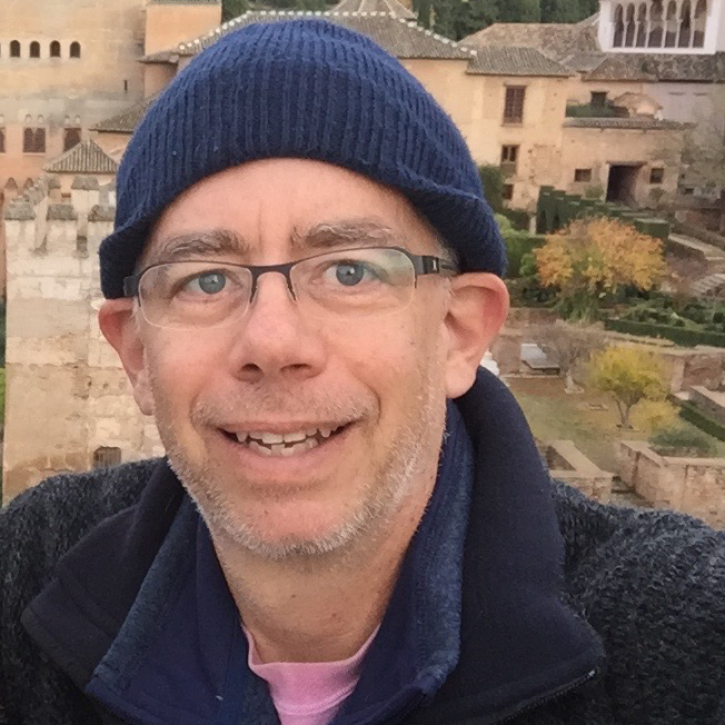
353	524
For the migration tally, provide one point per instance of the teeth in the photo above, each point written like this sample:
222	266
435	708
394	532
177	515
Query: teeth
274	444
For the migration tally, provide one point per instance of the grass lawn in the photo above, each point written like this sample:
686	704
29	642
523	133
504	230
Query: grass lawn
588	419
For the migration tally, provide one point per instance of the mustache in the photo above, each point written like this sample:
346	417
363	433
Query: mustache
296	402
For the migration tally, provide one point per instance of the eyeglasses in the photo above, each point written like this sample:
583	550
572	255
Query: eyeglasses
355	282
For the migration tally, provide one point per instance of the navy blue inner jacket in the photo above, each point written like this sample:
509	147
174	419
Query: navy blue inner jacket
139	614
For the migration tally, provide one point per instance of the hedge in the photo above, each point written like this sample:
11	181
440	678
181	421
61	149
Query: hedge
678	335
692	414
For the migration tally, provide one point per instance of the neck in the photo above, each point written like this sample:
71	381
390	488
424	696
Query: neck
319	609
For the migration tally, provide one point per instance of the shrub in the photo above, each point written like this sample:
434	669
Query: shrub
595	191
692	414
681	441
492	180
654	416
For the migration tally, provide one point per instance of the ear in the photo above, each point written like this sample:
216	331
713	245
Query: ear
120	327
477	309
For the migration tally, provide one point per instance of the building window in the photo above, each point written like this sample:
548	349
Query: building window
2	140
509	159
599	99
513	111
35	49
656	176
698	36
618	27
75	50
582	175
104	457
34	141
14	48
656	27
671	25
507	193
71	138
641	40
55	49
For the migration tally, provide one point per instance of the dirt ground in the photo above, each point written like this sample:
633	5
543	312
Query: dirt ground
587	418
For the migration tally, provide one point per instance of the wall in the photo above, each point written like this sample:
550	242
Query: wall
600	148
168	24
67	394
711	402
567	463
695	486
106	79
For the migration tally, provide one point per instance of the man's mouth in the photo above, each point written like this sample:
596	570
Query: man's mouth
268	443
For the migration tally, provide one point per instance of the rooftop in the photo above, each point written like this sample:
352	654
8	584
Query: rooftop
644	123
393	7
515	61
84	158
395	34
126	121
575	45
557	40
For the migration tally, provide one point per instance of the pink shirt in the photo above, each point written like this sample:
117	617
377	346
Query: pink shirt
309	693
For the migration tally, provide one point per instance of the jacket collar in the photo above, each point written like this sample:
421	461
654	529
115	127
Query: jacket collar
521	644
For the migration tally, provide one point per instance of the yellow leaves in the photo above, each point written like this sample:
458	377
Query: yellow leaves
630	374
600	255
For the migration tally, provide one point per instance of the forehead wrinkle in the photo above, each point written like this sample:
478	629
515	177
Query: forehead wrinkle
198	244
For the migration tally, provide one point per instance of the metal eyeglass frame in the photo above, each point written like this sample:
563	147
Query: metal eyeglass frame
422	264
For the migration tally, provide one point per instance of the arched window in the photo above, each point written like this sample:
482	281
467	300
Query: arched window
75	50
72	138
698	35
55	49
618	27
35	49
28	141
685	36
2	140
14	48
641	40
671	31
656	26
631	30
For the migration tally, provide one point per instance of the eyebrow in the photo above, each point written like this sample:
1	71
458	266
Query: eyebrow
323	236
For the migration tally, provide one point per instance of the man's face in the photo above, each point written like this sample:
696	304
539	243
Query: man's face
368	393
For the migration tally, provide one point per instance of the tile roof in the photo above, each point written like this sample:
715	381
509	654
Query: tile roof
126	121
659	67
576	46
397	35
394	7
512	61
557	40
644	123
84	158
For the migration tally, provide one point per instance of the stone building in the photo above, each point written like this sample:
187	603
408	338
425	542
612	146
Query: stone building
66	66
68	404
509	102
657	62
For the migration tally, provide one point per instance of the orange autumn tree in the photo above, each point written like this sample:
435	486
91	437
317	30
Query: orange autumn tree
593	259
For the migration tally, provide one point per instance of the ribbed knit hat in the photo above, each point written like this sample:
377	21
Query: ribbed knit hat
302	89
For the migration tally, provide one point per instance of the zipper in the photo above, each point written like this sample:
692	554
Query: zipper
520	710
549	697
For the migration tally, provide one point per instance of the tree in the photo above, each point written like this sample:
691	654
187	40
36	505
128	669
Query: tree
595	259
520	11
704	152
476	15
560	11
629	374
234	8
568	345
423	10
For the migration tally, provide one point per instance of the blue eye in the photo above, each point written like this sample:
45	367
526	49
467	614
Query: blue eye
349	274
209	283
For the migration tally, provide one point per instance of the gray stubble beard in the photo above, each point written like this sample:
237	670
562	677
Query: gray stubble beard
398	477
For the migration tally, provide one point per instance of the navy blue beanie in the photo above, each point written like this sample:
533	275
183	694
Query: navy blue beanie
302	89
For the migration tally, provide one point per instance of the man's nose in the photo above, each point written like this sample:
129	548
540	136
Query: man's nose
275	338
